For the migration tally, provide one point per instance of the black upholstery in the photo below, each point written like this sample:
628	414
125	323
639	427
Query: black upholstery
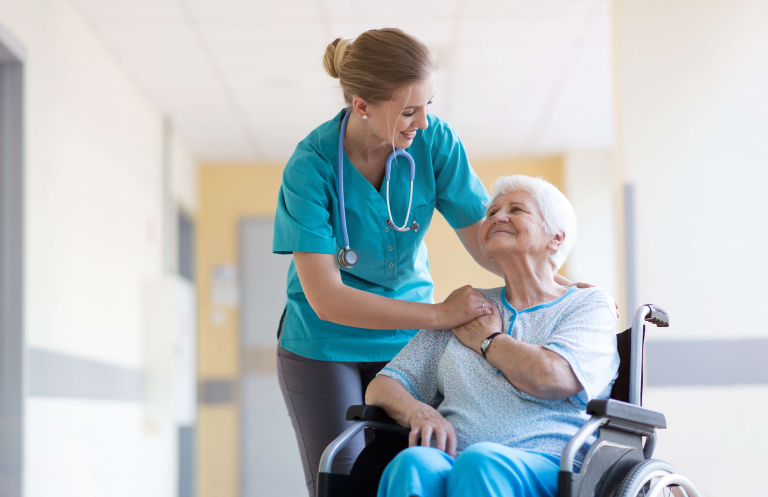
620	389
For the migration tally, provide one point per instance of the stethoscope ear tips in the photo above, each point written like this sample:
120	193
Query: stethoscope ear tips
414	226
347	258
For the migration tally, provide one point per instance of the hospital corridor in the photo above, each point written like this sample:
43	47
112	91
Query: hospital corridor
224	222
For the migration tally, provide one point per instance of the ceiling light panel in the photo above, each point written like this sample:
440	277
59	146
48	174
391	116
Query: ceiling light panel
253	11
249	35
520	33
398	11
529	9
431	32
148	37
130	11
271	62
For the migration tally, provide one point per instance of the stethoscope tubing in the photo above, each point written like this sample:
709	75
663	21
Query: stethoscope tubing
387	171
340	180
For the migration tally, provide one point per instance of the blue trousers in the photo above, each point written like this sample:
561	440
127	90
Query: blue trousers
483	469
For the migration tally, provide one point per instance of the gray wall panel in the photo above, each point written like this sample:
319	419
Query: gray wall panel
216	392
715	362
186	461
51	374
11	267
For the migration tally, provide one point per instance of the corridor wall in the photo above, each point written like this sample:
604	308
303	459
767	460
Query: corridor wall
93	230
692	115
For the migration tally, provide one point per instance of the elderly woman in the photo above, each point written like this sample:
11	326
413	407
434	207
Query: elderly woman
505	392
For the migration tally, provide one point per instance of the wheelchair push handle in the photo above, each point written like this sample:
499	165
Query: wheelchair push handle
651	313
657	316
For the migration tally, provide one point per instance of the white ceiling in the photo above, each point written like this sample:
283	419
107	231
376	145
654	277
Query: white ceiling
242	80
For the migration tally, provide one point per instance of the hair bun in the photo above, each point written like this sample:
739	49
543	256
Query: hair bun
334	54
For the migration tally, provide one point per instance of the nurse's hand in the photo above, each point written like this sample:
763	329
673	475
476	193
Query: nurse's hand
472	334
463	305
561	280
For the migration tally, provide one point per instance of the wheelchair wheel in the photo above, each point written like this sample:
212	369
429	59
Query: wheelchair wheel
644	475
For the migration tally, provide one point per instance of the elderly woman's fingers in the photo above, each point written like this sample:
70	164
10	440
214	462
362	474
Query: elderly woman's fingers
413	437
445	439
425	432
441	438
428	423
450	446
426	436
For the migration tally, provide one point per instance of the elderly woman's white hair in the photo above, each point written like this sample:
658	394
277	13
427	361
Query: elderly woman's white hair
555	209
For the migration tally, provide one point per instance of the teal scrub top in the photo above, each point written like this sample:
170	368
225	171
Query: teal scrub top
391	263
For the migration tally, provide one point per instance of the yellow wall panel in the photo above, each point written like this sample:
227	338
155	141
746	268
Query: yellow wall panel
218	449
227	194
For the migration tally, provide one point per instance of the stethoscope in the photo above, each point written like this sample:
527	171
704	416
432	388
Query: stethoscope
347	257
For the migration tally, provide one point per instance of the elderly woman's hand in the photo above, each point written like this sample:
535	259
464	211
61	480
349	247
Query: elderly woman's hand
426	422
473	333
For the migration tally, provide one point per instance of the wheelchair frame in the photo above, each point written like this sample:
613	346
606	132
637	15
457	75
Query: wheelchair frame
617	463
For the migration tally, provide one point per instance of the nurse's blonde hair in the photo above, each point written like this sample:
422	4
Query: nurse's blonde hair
377	64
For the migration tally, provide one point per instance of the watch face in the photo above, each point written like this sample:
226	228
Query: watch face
485	344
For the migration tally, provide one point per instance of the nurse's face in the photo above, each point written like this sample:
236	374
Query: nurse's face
397	120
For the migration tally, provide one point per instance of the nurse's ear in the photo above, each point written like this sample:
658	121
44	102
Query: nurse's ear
360	107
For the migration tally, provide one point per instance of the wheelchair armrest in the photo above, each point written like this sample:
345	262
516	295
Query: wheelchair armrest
369	413
363	417
622	414
614	415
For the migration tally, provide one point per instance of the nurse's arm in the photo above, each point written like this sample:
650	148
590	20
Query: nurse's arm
334	301
469	238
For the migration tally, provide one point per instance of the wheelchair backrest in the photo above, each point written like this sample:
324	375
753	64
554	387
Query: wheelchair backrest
620	390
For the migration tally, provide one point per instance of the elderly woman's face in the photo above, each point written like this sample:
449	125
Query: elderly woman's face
513	225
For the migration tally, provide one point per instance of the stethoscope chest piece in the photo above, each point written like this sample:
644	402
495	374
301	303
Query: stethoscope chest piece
347	258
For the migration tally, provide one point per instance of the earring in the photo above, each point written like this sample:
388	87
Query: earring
365	117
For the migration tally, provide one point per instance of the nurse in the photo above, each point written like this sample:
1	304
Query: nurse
341	326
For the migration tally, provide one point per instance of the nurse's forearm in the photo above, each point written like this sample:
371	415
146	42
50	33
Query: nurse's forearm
334	301
469	238
352	307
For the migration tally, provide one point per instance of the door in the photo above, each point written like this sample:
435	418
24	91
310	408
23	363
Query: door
270	461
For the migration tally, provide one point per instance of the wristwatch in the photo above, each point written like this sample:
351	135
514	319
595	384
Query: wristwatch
487	342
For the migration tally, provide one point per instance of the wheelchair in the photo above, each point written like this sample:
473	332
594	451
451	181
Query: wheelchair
618	462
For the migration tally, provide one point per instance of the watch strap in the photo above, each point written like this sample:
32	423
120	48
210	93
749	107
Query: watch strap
487	342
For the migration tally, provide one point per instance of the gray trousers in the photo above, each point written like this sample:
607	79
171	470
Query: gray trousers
317	395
